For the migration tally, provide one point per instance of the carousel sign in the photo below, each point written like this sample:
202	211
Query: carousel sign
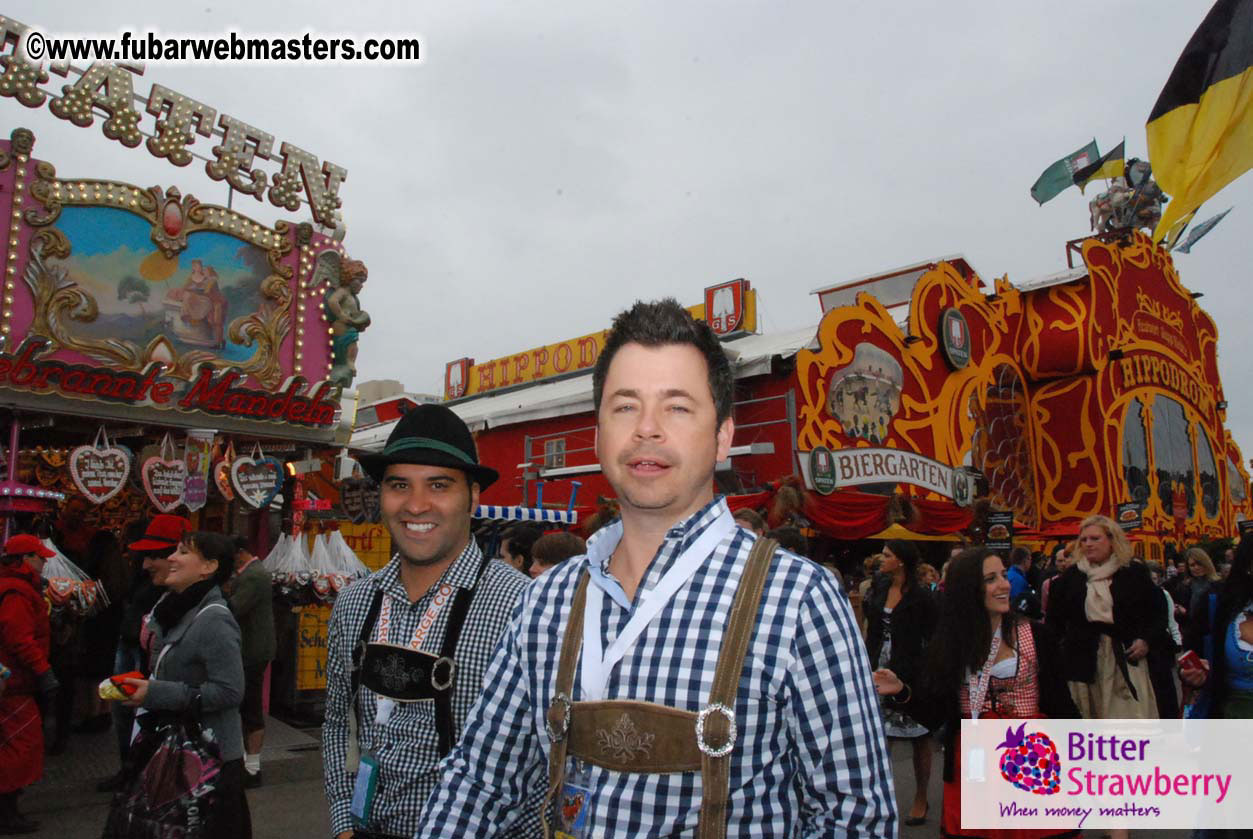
109	88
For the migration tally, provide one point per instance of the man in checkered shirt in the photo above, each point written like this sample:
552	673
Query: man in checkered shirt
809	758
430	480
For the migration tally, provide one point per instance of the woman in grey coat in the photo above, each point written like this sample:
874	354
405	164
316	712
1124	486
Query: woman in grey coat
196	651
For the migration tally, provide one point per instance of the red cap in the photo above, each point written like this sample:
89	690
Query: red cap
164	531
24	543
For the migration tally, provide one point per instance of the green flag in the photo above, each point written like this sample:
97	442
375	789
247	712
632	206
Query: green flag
1062	173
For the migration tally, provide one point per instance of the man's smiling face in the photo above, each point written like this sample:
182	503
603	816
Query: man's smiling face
427	510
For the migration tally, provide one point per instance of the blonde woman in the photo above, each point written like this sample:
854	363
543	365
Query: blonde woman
1108	615
1203	581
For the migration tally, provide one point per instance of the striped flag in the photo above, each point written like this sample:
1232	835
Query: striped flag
1200	132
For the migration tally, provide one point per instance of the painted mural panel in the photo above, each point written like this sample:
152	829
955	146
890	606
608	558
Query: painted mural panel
191	298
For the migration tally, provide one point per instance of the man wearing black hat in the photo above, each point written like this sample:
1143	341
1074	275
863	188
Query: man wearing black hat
407	646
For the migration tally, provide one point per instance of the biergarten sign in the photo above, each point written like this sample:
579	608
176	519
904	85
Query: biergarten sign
176	120
858	467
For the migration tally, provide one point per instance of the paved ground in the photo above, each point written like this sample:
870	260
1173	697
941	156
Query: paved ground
291	802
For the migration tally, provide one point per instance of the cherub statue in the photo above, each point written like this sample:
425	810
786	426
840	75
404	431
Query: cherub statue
343	310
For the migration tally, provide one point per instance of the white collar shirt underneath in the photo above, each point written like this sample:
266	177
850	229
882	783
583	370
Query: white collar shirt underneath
810	759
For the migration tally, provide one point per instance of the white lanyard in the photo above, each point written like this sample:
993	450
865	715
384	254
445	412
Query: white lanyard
442	596
597	664
977	687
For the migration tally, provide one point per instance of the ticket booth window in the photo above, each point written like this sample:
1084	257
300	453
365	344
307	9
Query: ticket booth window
1172	458
1210	487
1135	454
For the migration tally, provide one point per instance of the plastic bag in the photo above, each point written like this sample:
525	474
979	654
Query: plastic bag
172	772
69	587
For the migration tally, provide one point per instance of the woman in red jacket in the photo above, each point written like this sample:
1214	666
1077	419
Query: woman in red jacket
24	648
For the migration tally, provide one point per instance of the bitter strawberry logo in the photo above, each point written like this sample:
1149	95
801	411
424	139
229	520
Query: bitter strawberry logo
1030	761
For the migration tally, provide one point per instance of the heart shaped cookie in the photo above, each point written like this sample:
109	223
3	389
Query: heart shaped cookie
257	479
164	481
99	473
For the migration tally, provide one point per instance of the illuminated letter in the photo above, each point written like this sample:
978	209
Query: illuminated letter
234	157
174	132
301	167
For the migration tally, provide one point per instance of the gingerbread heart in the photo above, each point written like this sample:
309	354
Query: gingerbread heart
99	473
257	479
222	480
164	481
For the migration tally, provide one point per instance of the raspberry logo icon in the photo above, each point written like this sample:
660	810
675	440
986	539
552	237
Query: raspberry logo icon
1030	761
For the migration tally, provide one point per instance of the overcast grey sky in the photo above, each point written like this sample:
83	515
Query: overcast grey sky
548	163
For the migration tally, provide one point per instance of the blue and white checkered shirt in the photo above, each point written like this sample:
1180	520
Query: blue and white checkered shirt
810	759
407	747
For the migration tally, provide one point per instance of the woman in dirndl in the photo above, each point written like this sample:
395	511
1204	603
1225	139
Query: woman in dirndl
986	662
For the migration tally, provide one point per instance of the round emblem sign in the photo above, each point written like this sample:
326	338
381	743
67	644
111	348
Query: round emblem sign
822	470
955	333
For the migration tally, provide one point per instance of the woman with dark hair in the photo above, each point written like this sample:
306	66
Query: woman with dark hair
986	662
1109	616
198	662
900	617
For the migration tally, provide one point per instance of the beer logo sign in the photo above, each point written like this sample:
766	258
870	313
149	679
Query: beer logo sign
457	377
955	335
724	306
822	470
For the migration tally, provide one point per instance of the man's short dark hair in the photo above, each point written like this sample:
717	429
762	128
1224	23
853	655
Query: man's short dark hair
1020	556
552	548
522	538
790	539
662	323
241	544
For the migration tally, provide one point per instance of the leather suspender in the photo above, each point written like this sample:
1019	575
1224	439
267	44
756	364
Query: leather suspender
683	739
445	727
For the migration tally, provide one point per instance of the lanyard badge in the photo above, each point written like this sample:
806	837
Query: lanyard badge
364	789
575	802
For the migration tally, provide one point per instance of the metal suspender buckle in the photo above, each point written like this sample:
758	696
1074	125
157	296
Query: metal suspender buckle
554	734
705	748
443	684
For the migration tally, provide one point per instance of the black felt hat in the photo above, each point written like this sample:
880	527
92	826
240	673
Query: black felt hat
430	435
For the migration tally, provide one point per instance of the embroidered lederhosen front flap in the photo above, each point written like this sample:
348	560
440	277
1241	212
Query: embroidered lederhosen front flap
633	736
405	675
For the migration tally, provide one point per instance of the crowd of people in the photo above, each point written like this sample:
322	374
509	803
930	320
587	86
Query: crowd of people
188	635
684	670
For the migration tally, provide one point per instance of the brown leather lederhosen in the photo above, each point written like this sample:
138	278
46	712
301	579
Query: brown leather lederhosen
634	736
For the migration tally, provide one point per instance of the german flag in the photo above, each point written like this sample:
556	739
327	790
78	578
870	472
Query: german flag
1200	132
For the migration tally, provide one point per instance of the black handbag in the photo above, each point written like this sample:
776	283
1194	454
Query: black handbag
172	777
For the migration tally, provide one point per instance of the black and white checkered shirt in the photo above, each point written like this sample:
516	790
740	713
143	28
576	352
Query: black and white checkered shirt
406	747
810	759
